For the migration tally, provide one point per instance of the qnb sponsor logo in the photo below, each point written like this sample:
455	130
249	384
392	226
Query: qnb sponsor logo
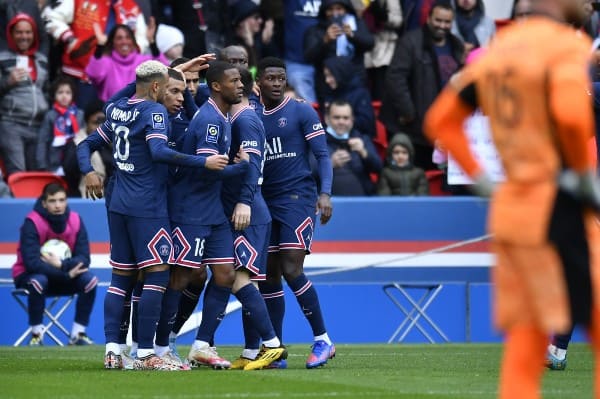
126	166
274	150
249	143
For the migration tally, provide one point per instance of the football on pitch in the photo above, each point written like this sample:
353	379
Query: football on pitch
56	247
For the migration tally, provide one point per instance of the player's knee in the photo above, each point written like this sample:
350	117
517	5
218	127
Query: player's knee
180	277
223	276
198	276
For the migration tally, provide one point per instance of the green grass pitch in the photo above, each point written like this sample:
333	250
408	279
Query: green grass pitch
358	371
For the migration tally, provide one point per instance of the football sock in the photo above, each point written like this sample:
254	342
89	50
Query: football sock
77	329
561	341
135	302
323	337
187	303
251	336
254	307
124	328
113	306
37	329
275	301
149	306
308	300
170	303
250	353
522	363
213	311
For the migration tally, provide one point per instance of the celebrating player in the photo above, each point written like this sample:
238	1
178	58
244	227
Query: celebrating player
292	130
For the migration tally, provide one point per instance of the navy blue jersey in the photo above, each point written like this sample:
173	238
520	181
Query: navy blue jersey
140	183
292	129
248	132
195	195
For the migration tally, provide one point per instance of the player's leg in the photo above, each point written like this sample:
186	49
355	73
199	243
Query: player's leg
135	302
251	248
85	287
218	253
188	301
556	354
37	285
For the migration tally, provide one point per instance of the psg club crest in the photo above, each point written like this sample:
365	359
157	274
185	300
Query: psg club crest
282	122
212	133
164	250
158	120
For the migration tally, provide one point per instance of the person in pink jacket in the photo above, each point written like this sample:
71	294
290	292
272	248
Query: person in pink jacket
116	57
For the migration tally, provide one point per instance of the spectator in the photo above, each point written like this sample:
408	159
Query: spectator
423	61
48	274
352	153
102	160
249	32
59	126
416	13
10	8
299	15
170	42
117	55
384	19
339	32
4	189
400	176
23	75
471	25
71	22
344	82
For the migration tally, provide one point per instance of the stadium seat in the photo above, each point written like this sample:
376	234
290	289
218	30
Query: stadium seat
20	295
436	182
30	184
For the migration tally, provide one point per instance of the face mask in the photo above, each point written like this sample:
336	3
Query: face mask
342	136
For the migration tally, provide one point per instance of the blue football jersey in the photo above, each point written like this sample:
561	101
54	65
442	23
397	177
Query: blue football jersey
293	128
140	184
248	132
195	196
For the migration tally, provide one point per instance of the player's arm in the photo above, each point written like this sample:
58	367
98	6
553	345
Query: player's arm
189	105
29	244
314	134
444	122
127	91
252	135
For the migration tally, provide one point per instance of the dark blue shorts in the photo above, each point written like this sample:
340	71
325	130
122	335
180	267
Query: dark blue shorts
137	242
292	226
197	245
251	249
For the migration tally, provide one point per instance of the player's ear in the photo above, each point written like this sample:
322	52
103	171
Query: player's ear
215	86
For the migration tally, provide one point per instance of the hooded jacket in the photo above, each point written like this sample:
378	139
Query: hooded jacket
350	87
316	50
23	103
402	180
483	26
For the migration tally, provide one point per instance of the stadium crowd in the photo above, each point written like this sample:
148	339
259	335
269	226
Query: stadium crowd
387	59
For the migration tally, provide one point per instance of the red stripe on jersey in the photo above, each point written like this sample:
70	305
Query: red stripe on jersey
314	134
277	108
207	151
102	134
253	151
234	116
156	136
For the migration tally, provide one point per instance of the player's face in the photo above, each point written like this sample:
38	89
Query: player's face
330	79
63	95
56	204
192	80
174	95
161	89
272	83
22	34
340	118
440	22
236	55
232	88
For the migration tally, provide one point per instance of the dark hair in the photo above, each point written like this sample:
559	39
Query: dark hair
109	47
175	74
445	4
94	106
216	71
269	62
339	103
51	189
179	61
62	80
247	80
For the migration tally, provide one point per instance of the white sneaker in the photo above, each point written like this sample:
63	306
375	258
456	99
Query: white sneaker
153	362
172	358
208	357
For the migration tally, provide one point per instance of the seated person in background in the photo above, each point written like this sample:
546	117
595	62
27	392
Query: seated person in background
400	176
102	160
45	274
60	125
343	82
352	153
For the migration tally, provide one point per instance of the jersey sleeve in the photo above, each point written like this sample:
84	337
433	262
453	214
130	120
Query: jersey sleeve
208	133
157	126
252	138
314	134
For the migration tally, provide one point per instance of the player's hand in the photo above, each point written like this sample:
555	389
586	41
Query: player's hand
51	259
17	75
94	187
324	206
583	187
339	158
332	32
241	216
197	63
78	270
256	89
101	37
242	156
216	162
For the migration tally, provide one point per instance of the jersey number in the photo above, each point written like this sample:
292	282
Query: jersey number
506	102
199	250
122	143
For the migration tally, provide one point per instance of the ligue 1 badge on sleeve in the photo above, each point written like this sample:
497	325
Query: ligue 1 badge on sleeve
158	120
212	133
